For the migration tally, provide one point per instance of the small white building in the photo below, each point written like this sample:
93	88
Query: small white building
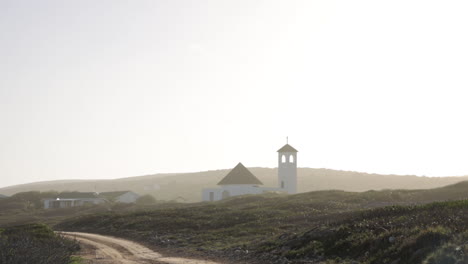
240	181
74	199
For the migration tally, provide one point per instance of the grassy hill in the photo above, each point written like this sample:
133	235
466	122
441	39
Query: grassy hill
390	226
188	186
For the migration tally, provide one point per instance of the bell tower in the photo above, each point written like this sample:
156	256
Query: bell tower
287	169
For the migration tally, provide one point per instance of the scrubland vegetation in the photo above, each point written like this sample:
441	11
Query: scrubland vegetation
36	244
27	208
318	227
390	226
433	233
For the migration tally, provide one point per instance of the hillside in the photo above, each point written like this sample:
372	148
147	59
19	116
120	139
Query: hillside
188	186
316	227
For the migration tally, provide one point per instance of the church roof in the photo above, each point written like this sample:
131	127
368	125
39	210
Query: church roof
287	148
240	175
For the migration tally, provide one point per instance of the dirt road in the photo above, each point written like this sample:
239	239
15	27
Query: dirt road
98	249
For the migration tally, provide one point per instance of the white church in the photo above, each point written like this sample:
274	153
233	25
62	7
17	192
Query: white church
240	180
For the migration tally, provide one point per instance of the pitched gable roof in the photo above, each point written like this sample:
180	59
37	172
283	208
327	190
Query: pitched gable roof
287	148
76	195
240	175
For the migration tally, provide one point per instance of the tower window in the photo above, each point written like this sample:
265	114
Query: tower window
291	159
282	184
283	159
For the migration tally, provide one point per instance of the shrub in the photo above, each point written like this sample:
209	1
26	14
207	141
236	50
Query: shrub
146	199
35	244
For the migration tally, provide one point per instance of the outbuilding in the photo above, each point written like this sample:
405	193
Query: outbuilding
73	199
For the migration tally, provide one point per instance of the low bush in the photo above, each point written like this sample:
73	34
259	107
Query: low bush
34	244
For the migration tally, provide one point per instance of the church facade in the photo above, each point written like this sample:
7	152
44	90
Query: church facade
240	181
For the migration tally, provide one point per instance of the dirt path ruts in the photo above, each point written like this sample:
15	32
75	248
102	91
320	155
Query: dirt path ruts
99	249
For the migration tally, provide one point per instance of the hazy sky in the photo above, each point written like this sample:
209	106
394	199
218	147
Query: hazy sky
106	89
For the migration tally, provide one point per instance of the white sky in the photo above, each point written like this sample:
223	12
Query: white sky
106	89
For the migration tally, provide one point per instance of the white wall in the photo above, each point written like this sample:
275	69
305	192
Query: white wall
74	202
241	189
232	190
287	172
216	194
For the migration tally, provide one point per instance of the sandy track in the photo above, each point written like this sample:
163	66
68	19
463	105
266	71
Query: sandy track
98	249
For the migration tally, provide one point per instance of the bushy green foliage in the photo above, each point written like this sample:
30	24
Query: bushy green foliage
25	200
35	244
325	226
146	199
405	234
